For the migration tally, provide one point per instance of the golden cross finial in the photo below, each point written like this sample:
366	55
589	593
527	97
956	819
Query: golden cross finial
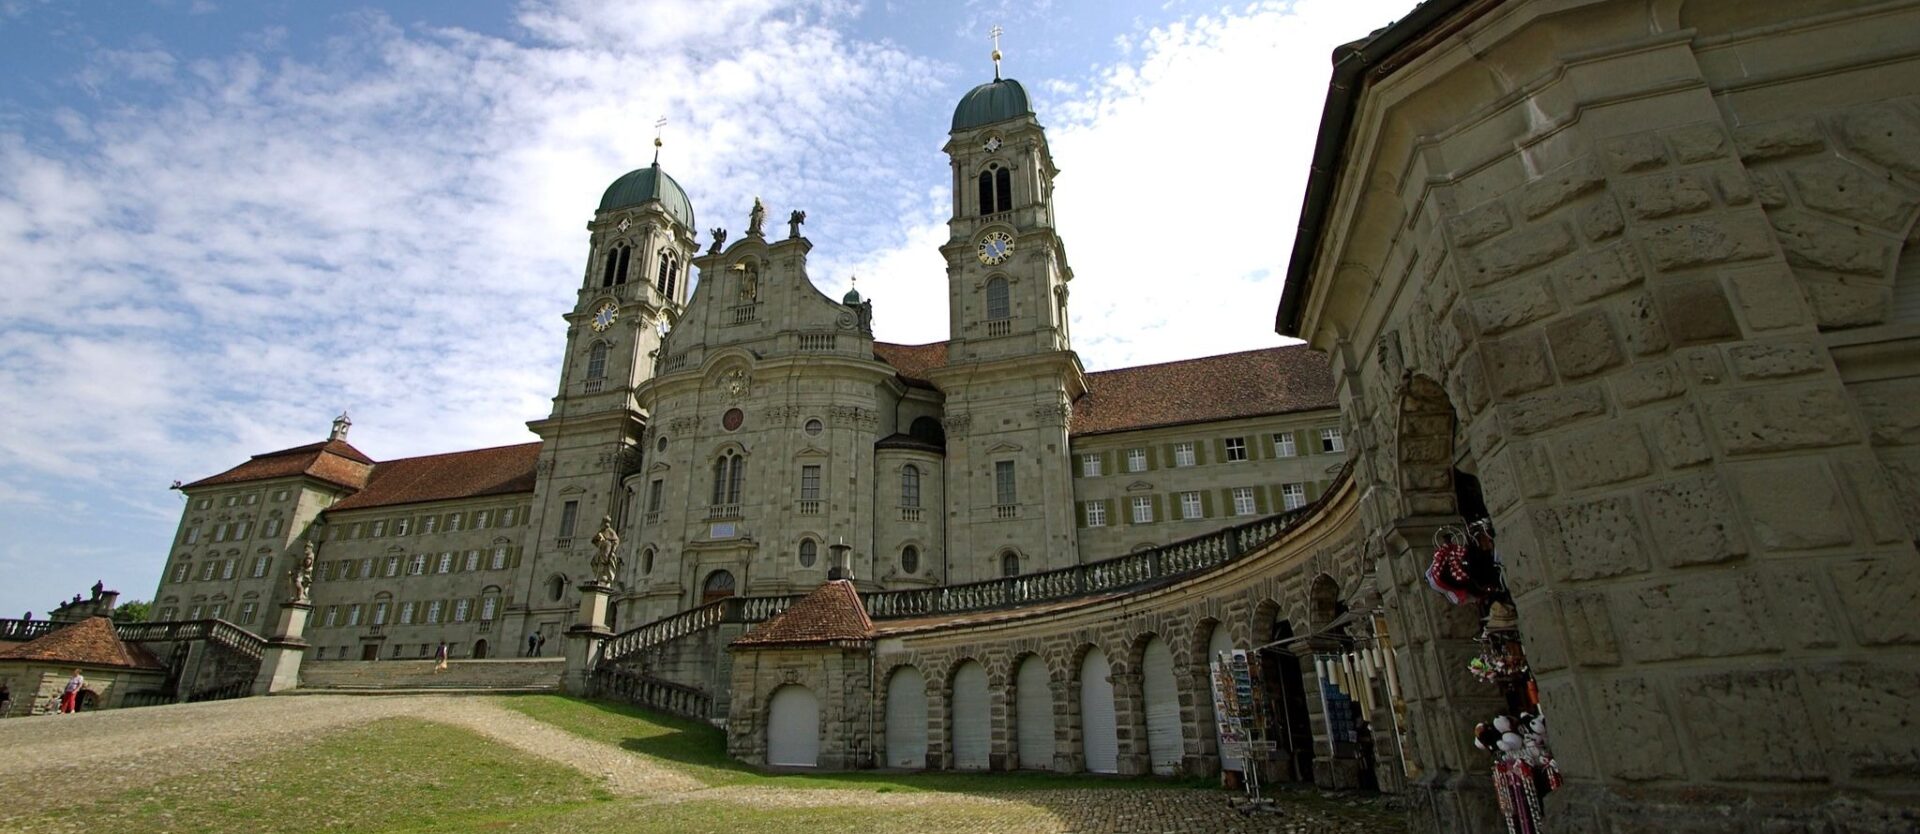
657	126
996	32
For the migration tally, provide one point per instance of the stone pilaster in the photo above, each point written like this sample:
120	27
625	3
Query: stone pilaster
585	637
280	665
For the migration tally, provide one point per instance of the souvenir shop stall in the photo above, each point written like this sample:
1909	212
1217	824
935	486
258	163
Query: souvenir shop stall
1466	570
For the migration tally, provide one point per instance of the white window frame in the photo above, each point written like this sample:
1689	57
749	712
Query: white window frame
1141	507
480	518
1183	454
453	522
489	606
367	567
445	564
260	564
406	612
1331	441
377	529
1096	514
417	566
499	559
1283	445
472	561
217	611
353	615
1293	496
333	616
380	613
247	612
402	525
1190	506
1243	503
227	570
1136	460
392	568
462	607
1236	448
429	524
1090	465
434	608
210	570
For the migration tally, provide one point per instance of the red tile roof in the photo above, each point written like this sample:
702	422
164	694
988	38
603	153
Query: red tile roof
501	470
333	461
913	362
90	642
831	614
1251	383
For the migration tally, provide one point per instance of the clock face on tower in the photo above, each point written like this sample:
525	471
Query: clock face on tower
996	247
603	317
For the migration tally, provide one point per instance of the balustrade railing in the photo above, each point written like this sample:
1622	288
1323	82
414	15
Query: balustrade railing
23	630
218	632
722	512
640	638
743	313
817	341
652	693
909	513
1001	327
808	507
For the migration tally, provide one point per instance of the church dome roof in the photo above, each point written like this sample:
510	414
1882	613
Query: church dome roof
852	297
995	101
649	183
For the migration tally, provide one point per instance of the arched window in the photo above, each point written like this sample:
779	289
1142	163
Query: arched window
728	472
664	280
597	361
1009	564
673	275
719	586
998	308
986	192
910	486
646	561
626	255
909	559
928	429
809	552
613	267
1003	188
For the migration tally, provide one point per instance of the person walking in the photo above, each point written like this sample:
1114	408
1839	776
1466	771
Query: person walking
70	696
6	700
540	648
533	644
440	657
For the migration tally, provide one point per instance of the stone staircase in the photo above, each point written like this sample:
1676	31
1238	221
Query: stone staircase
376	677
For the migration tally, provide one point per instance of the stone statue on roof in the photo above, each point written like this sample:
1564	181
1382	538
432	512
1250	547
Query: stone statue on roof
719	239
606	562
794	220
300	578
756	219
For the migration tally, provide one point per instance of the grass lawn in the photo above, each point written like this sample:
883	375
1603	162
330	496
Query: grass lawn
700	750
393	775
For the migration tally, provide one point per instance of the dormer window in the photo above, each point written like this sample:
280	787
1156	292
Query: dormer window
996	189
616	269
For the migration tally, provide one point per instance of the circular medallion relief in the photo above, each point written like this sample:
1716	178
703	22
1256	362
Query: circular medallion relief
732	419
814	426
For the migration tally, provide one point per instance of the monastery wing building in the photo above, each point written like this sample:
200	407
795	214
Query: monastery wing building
738	428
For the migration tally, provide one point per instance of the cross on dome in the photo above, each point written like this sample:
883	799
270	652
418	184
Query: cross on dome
996	32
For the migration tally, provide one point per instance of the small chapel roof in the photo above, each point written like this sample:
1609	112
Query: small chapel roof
333	461
831	614
500	470
90	642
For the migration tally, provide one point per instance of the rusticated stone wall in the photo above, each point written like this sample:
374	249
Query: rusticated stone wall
1634	266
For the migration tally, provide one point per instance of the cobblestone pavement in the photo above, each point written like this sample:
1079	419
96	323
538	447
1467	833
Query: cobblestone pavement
51	762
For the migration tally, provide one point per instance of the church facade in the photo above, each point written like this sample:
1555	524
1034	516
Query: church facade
739	430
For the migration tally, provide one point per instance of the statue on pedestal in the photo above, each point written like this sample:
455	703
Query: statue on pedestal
793	223
719	239
606	562
300	578
756	219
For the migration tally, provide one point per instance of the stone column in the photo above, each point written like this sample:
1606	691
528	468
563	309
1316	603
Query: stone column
584	638
280	666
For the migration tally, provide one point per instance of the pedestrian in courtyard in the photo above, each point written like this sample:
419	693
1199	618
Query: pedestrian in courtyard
440	657
70	696
6	700
533	644
540	648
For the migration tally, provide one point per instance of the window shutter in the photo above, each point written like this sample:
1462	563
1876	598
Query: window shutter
1220	449
1260	503
1206	503
1313	491
1166	455
1159	509
1260	445
1153	458
1079	513
1108	462
1107	504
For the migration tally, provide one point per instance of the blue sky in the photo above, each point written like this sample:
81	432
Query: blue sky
223	222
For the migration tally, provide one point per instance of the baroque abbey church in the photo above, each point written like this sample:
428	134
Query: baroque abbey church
739	428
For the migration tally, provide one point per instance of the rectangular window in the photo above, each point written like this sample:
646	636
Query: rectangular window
220	532
333	616
446	563
260	565
349	569
1090	465
229	501
1293	496
166	614
193	613
417	565
353	532
1243	501
1142	509
379	613
247	612
1183	454
192	535
506	517
472	561
402	525
279	495
499	558
406	613
1003	486
209	571
243	530
488	607
227	568
271	528
353	615
453	522
377	529
333	571
461	608
253	499
1190	506
366	568
480	519
181	571
1283	445
1136	460
1330	441
218	611
203	503
393	567
1236	449
434	609
810	482
1096	514
430	524
655	495
569	513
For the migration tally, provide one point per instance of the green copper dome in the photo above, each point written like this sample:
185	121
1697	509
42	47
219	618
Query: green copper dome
995	101
650	183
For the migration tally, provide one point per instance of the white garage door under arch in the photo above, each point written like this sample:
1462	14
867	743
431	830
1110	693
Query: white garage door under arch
1099	738
1033	715
1164	748
1220	642
970	724
907	719
793	727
